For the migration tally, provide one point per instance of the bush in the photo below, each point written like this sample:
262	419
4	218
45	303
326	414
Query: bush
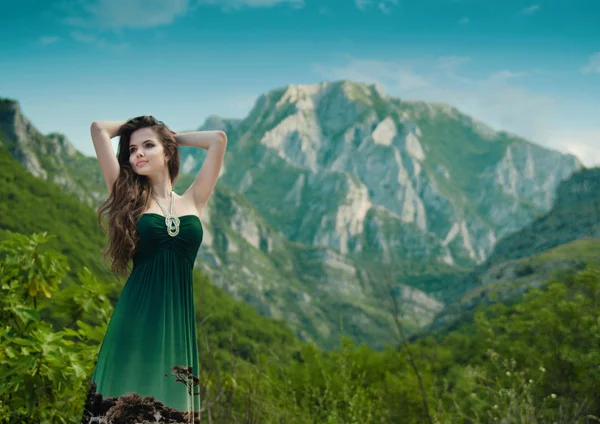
43	369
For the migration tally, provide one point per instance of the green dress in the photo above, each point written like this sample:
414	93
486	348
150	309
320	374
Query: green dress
147	366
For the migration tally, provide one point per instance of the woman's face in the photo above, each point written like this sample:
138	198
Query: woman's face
146	153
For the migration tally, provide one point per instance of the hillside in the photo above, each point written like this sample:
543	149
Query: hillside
560	242
50	157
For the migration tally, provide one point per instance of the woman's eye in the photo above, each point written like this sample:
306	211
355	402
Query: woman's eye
133	149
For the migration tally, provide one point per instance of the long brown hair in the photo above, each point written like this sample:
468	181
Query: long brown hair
131	194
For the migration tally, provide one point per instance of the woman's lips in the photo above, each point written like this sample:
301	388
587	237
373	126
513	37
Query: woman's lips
141	163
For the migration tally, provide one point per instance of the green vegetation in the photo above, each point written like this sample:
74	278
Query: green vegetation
30	204
536	361
505	281
529	359
581	250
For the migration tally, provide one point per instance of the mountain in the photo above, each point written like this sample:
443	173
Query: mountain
343	166
50	157
574	215
561	241
335	197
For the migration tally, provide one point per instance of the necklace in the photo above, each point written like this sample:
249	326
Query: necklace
171	220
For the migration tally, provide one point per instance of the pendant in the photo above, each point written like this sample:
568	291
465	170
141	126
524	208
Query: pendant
172	223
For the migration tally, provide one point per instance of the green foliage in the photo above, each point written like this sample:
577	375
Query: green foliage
43	368
535	361
540	362
337	388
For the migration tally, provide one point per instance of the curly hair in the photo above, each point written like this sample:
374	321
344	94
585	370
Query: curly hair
131	194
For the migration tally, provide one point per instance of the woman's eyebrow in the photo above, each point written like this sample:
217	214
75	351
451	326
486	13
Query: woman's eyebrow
133	144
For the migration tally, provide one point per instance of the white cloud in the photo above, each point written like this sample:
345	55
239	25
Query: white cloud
362	4
464	20
499	99
593	66
384	8
583	144
47	39
228	5
506	74
396	75
117	14
513	108
384	5
451	63
136	14
99	41
531	9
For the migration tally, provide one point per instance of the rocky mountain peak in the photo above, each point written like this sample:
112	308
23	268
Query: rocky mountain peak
455	184
62	144
12	122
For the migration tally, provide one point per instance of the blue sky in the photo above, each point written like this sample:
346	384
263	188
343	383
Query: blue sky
529	67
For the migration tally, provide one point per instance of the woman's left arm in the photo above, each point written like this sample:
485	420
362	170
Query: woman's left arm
206	179
203	139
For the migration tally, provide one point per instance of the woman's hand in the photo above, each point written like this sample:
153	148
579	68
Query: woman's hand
172	132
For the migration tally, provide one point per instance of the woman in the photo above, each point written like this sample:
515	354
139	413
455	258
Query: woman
147	366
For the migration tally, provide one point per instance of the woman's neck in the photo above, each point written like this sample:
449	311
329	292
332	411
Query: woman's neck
163	192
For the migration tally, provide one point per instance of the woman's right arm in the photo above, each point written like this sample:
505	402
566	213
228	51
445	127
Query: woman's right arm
102	132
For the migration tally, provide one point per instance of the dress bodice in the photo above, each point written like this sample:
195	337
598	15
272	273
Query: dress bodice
154	238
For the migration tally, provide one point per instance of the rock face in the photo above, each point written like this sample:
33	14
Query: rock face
562	240
50	157
575	215
337	164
